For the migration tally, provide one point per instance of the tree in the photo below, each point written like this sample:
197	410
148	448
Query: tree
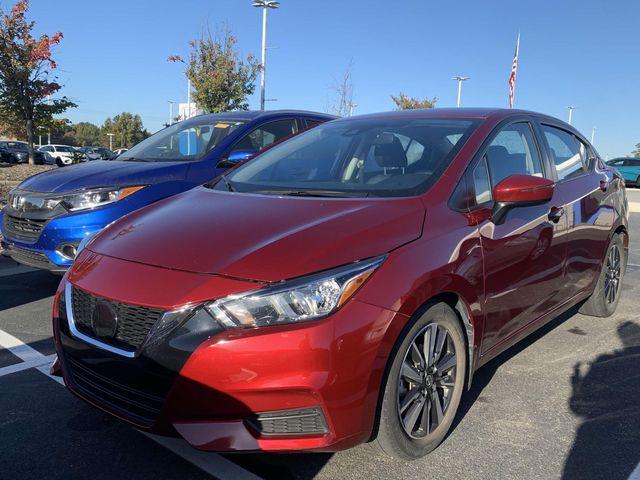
221	80
26	80
636	152
85	134
128	130
404	102
343	89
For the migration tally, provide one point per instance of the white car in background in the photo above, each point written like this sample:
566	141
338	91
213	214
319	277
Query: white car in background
61	154
120	151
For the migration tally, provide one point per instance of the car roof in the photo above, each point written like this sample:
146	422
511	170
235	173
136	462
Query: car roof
453	113
249	115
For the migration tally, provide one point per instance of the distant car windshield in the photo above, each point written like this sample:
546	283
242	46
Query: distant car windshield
399	156
183	141
17	146
65	149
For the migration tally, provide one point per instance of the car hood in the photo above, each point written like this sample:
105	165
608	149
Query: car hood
101	173
257	237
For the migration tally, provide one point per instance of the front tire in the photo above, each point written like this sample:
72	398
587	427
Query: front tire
424	385
606	295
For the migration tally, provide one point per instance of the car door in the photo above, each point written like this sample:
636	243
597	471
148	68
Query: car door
524	253
582	186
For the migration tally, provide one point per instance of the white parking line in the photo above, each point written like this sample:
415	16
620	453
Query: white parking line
210	463
21	350
44	362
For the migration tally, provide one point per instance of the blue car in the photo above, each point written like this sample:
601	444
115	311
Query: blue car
49	214
629	168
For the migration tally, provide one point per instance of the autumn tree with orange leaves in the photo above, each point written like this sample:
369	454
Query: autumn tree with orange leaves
26	75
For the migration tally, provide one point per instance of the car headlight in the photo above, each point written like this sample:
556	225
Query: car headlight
96	197
308	298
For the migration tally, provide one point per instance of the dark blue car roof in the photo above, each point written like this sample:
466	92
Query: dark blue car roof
250	115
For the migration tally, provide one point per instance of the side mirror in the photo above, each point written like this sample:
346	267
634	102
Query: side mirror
234	157
520	191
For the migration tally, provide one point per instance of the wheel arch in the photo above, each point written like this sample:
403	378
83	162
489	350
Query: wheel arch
471	328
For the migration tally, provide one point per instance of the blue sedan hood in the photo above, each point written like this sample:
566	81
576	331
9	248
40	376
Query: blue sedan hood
101	173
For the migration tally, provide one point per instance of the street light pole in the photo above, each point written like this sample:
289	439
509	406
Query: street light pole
265	5
110	135
170	113
593	134
571	109
460	79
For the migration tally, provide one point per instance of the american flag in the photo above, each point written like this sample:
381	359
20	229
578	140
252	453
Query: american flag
514	71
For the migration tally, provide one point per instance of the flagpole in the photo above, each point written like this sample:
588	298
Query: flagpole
518	59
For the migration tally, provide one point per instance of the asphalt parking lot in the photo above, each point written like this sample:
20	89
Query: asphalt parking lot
565	403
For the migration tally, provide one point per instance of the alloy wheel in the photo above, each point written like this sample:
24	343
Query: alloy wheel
613	270
426	381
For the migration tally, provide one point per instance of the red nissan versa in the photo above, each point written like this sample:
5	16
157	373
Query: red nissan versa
344	286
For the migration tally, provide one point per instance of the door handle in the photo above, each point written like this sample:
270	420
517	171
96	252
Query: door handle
555	213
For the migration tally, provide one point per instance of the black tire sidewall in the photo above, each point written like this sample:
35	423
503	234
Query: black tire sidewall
610	308
392	438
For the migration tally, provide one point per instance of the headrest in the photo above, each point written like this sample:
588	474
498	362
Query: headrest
389	152
497	153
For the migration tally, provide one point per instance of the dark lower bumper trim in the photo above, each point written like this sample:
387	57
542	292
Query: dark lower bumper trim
31	258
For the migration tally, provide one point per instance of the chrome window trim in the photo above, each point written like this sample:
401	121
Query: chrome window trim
86	338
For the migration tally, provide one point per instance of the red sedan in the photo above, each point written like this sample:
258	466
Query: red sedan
343	286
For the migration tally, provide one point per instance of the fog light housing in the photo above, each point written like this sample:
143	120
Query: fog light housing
68	250
296	422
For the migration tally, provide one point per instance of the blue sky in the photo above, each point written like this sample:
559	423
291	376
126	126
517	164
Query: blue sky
573	52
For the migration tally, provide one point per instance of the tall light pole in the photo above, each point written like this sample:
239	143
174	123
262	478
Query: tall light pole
593	134
265	5
171	102
460	80
571	109
110	135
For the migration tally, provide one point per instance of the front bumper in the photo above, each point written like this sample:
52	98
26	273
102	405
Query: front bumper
210	388
44	249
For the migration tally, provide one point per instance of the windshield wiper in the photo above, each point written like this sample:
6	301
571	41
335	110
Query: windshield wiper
313	193
133	159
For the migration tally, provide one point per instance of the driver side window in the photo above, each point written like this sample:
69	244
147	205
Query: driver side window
513	151
266	135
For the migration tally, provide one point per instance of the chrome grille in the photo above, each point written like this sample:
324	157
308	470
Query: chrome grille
23	228
134	322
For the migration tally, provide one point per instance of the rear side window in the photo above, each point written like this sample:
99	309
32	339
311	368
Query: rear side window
570	156
312	123
513	151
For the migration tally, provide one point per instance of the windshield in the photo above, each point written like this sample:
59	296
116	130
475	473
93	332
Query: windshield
64	149
17	146
182	141
399	156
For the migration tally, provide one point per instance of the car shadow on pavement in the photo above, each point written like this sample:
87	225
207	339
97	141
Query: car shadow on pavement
483	376
607	399
23	288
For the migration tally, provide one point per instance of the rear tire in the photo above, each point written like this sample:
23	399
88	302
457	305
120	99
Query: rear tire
423	387
606	295
59	162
